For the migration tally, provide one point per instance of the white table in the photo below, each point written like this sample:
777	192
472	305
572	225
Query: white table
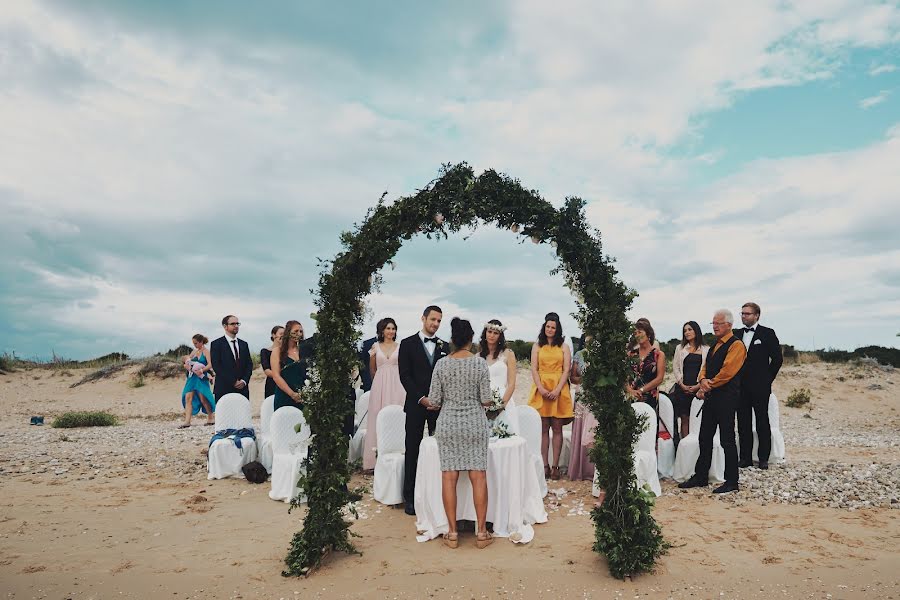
514	496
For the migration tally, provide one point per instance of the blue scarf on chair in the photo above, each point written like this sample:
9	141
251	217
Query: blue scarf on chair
234	435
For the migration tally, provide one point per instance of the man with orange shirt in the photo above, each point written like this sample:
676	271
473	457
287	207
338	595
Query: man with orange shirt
720	390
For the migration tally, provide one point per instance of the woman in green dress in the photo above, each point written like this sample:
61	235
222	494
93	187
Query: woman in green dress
289	367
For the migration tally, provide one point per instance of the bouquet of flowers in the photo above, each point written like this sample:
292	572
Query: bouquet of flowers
496	406
501	430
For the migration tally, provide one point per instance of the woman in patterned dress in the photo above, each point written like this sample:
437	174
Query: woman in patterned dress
461	388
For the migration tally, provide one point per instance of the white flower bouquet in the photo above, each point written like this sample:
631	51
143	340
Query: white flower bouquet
501	430
496	406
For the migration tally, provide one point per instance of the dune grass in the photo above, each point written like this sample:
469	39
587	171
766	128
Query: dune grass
101	418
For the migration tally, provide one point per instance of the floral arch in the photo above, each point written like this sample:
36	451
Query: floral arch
625	531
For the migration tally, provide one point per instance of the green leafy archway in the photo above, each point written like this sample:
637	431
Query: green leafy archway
625	530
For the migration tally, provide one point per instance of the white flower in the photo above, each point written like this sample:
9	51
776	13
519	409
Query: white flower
307	383
553	244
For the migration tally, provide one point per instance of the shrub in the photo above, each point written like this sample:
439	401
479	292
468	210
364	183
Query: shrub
103	373
161	367
799	398
85	419
5	363
137	381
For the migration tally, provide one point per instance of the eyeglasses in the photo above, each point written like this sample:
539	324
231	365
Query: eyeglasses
714	323
231	324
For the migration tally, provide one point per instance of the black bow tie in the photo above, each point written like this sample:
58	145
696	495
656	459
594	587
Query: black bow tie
433	340
749	329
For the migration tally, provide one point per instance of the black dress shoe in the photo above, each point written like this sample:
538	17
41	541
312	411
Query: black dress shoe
410	509
692	483
726	487
763	465
744	464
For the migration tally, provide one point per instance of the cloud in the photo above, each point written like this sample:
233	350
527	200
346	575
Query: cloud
867	103
882	69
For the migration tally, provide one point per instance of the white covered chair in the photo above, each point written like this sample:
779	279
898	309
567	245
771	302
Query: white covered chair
225	458
530	429
566	452
264	437
391	427
776	455
644	451
360	424
689	451
289	450
665	449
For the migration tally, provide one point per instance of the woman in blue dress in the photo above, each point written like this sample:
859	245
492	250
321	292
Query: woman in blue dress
196	392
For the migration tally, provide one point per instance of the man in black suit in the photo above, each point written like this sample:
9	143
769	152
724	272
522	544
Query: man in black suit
764	359
231	361
418	355
365	375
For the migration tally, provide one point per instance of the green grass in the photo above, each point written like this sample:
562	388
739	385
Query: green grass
85	419
137	381
799	398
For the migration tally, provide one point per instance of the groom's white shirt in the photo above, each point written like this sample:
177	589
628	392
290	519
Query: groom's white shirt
429	346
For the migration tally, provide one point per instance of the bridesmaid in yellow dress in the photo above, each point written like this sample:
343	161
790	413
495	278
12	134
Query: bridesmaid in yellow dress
551	362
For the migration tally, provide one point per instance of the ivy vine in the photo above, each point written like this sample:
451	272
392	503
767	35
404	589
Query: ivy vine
625	531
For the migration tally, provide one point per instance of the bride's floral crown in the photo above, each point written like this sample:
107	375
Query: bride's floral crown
495	327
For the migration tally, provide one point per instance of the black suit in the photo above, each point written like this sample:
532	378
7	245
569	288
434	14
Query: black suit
760	368
228	370
364	374
415	375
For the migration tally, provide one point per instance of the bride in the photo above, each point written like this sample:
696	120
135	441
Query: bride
502	368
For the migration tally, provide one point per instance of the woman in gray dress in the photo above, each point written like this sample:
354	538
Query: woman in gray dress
461	388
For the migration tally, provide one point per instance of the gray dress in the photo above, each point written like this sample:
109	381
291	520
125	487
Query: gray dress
460	385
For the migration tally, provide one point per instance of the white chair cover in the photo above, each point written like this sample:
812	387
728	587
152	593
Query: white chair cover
776	455
360	422
644	451
289	448
689	451
391	426
530	429
224	458
566	452
264	437
665	449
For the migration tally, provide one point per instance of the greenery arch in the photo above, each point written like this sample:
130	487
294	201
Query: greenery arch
626	532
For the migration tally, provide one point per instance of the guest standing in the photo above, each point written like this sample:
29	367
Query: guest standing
461	388
720	390
265	359
387	390
365	375
551	362
289	367
690	356
230	358
650	368
417	356
764	359
580	465
196	392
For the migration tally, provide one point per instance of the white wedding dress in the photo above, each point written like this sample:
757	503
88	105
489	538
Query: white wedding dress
499	373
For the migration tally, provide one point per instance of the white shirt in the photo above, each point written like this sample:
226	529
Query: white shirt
748	336
429	346
231	346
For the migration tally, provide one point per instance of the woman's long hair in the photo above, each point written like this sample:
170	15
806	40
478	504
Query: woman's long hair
382	325
558	338
698	335
286	339
501	341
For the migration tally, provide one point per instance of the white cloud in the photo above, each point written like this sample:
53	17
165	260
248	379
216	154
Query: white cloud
875	100
882	69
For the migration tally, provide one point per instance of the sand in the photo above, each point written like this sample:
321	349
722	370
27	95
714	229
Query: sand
127	512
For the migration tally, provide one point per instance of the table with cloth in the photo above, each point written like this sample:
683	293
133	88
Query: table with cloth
514	496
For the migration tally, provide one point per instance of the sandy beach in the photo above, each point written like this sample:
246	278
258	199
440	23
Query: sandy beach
127	511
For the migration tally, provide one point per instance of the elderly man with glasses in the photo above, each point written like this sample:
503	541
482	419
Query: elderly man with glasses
720	390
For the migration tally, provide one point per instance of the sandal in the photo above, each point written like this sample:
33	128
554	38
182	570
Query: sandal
184	426
546	471
555	474
451	540
485	541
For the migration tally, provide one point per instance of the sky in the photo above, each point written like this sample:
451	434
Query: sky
166	163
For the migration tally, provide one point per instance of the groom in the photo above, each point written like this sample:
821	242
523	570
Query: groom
231	361
417	355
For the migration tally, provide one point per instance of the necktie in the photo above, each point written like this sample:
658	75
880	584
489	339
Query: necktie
749	329
432	340
237	355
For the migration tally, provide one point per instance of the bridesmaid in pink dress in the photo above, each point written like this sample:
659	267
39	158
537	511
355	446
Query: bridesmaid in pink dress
386	386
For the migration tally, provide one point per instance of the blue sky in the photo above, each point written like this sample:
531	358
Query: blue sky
166	163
